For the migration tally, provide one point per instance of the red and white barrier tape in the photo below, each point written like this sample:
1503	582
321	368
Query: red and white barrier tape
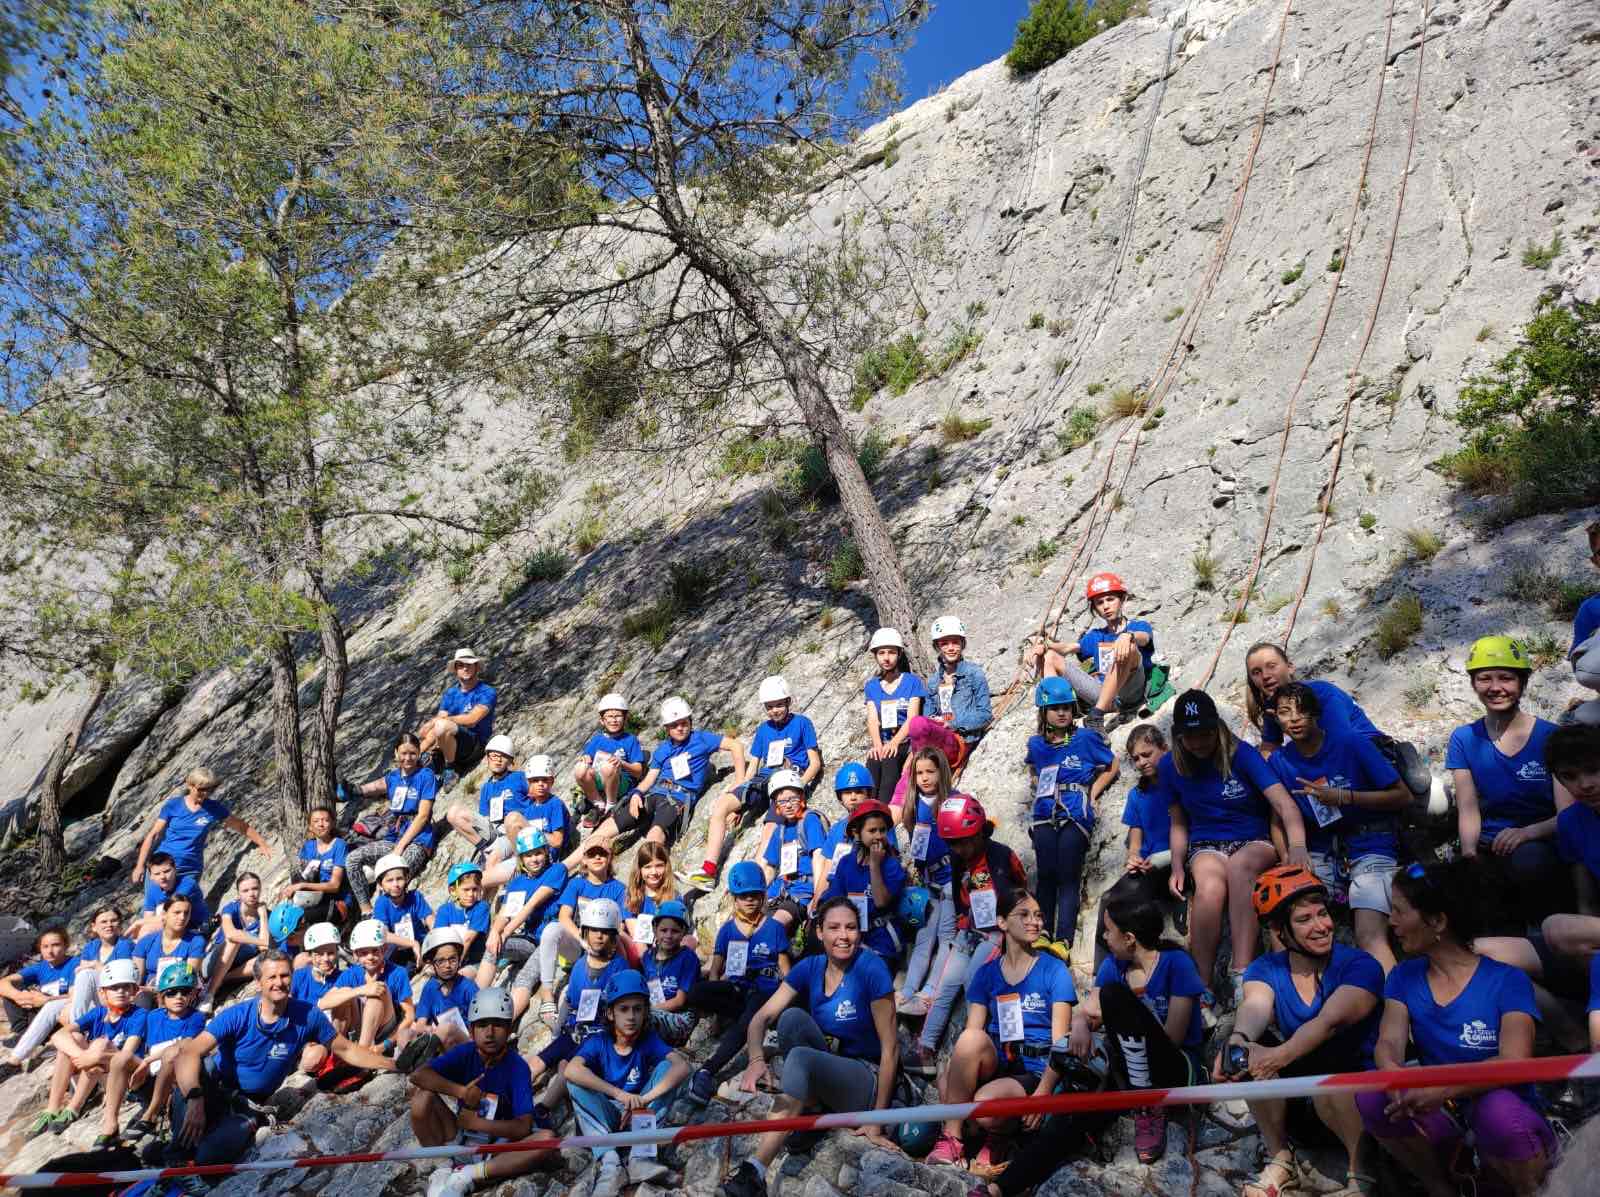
1494	1074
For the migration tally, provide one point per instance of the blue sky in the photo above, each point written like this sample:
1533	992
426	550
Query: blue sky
959	35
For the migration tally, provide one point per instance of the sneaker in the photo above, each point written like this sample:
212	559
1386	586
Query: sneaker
418	1052
702	1088
921	1060
745	1182
450	1182
588	821
911	1006
193	1186
549	1014
701	880
947	1150
1150	1133
608	1177
991	1157
208	1007
1055	947
642	1171
542	1119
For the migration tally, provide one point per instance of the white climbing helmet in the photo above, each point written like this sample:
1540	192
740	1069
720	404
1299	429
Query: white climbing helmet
119	972
774	689
947	625
437	938
785	779
886	638
389	863
368	933
493	1002
321	935
612	702
674	709
500	744
600	914
540	766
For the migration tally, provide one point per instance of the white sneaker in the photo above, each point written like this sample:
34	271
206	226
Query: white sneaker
643	1170
608	1177
450	1182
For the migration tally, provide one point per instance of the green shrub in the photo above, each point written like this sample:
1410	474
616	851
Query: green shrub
1125	401
588	533
845	566
1398	625
1036	320
955	427
895	366
1539	257
777	518
1336	263
1094	388
1042	552
1422	544
652	624
809	478
1419	693
957	347
1368	521
1082	424
1543	648
688	582
1205	570
755	454
1532	421
1172	315
1292	275
603	386
1531	585
547	565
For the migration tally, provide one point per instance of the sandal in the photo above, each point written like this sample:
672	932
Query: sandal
549	1014
1356	1184
1288	1167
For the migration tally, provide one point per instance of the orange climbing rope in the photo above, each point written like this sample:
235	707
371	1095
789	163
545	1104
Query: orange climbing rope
1248	588
1372	322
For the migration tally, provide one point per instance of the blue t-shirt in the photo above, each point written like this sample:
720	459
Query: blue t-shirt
851	878
235	911
186	831
160	1027
1513	791
936	863
580	890
1340	716
846	1013
1345	762
326	860
254	1057
149	952
676	975
697	750
474	918
1587	621
507	1087
761	954
412	905
456	701
52	980
551	815
1098	643
1218	810
98	1024
794	739
121	950
584	977
810	833
1049	981
523	887
1578	837
1467	1030
305	987
406	794
1146	809
435	1001
626	746
1347	966
187	887
393	976
1065	772
501	796
908	687
1175	975
630	1073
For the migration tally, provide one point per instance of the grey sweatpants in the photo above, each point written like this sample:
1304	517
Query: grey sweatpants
415	855
814	1075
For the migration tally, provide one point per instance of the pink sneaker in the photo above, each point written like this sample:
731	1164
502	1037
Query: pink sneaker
1150	1133
991	1158
947	1150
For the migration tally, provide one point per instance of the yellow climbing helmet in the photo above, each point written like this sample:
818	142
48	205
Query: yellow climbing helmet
1498	652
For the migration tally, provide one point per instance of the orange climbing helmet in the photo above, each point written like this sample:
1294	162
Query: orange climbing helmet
1280	885
1105	583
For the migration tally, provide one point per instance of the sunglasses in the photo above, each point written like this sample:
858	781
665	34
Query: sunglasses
178	992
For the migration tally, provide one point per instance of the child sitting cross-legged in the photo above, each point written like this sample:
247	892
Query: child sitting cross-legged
671	968
441	1021
625	1069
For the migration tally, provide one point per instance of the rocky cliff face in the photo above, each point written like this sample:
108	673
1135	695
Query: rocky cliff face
1096	238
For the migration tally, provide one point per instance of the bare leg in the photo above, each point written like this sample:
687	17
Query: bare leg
1205	918
1244	866
1372	937
1339	1114
971	1064
724	808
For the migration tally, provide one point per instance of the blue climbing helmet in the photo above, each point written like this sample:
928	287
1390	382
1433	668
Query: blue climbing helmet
1054	692
673	909
915	903
746	877
852	775
916	1139
179	974
284	921
531	839
626	983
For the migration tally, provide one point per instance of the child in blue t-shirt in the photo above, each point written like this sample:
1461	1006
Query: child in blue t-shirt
86	1046
793	861
405	914
240	938
580	1013
149	1073
319	884
320	972
525	905
610	766
1572	754
627	1060
466	909
1118	654
871	876
502	808
562	934
671	969
371	999
680	771
930	861
893	696
444	1004
1068	770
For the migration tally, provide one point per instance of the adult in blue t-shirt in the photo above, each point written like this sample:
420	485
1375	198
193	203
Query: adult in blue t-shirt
184	822
455	737
37	991
1506	802
1220	794
162	881
246	1051
1310	1009
1457	1008
680	771
174	941
836	1033
405	827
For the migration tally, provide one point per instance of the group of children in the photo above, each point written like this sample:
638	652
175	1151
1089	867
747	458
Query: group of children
537	921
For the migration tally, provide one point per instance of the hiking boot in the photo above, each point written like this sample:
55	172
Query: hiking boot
744	1182
1150	1133
418	1053
702	1088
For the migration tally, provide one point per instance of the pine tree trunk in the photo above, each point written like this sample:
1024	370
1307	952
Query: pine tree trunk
321	760
52	843
287	748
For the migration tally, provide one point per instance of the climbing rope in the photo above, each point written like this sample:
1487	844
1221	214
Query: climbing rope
1372	321
1254	573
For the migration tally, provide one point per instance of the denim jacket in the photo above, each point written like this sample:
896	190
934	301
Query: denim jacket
969	702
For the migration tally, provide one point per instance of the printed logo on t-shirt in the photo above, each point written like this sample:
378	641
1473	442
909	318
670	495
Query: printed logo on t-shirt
278	1051
1033	1003
1071	762
845	1011
1532	771
201	820
1479	1034
633	1076
1233	790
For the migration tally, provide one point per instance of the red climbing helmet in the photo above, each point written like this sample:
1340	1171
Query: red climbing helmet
960	818
864	808
1105	583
